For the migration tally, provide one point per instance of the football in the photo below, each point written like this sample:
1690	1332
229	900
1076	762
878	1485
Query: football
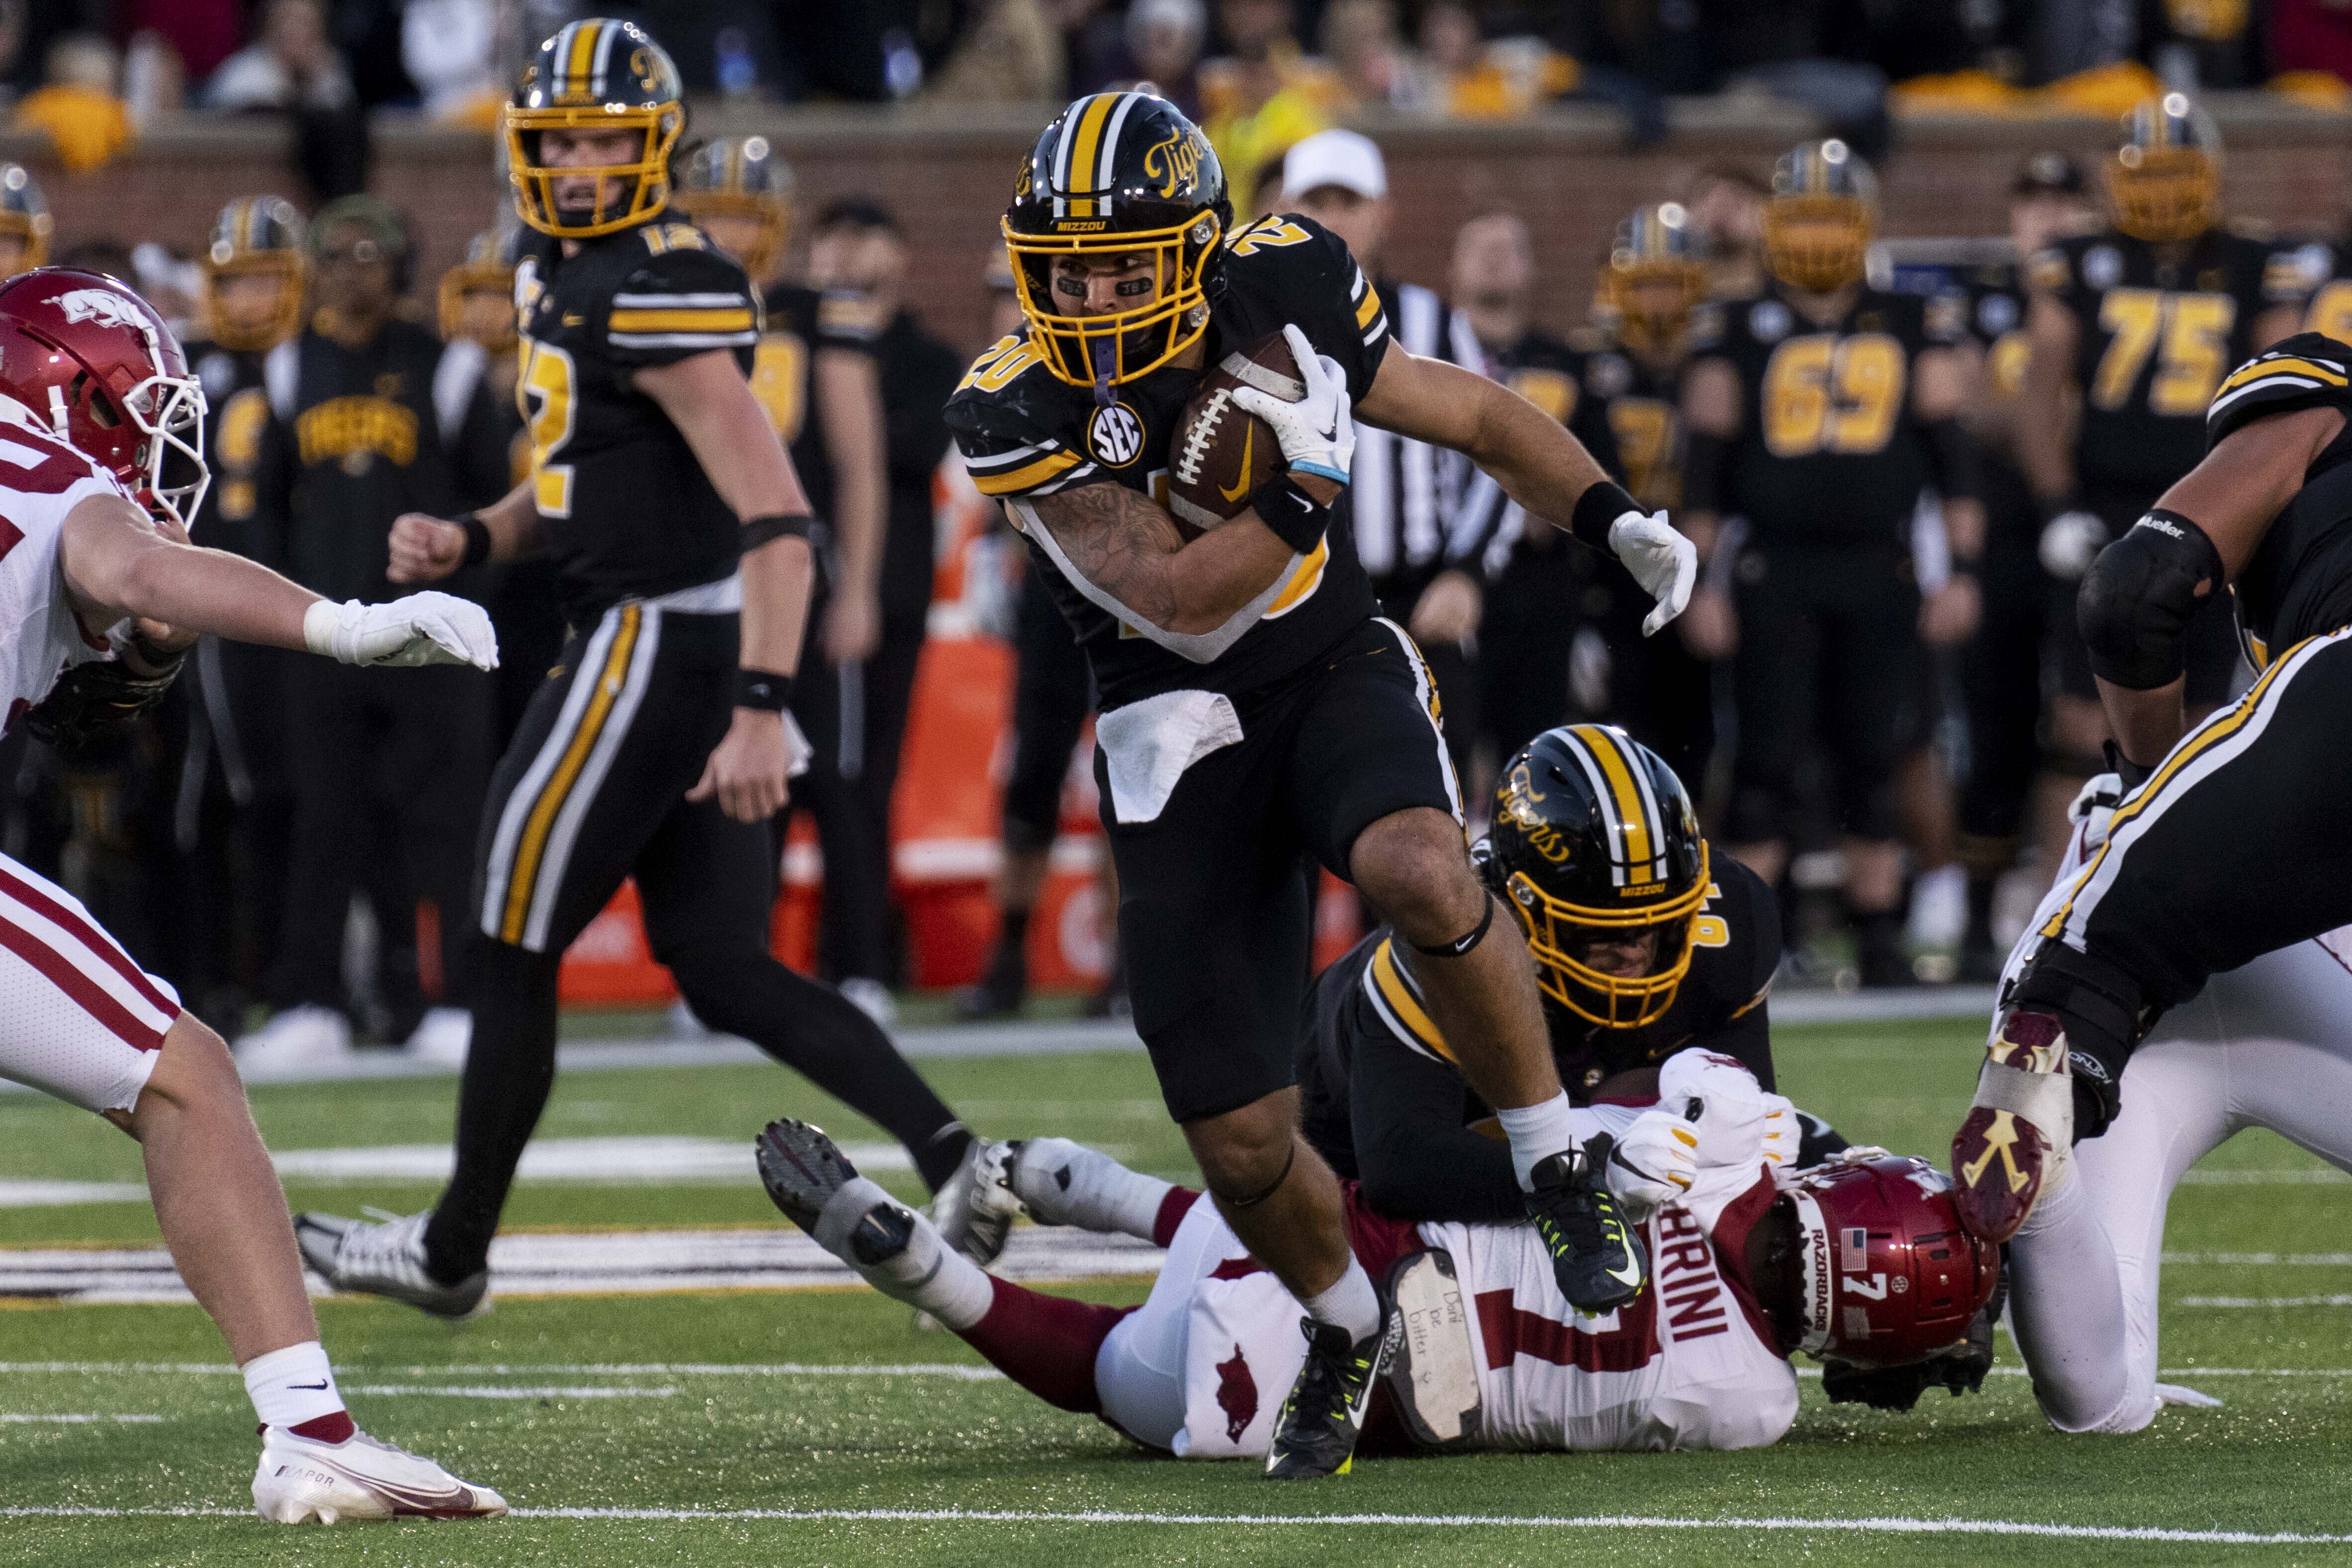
1219	454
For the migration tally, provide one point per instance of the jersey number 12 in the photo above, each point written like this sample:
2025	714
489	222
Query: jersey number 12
544	393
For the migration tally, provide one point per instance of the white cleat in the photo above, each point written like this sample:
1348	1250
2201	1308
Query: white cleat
302	1481
442	1038
976	1208
296	1041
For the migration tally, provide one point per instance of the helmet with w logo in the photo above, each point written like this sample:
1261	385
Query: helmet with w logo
1594	843
100	370
1886	1273
1820	215
1117	174
596	75
2164	180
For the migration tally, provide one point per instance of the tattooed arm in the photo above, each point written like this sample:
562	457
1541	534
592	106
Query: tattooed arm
1128	547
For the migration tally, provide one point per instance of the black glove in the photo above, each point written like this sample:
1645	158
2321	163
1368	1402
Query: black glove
95	701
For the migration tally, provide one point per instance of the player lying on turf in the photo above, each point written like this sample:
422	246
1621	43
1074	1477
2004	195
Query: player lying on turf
104	597
1860	1261
2268	1045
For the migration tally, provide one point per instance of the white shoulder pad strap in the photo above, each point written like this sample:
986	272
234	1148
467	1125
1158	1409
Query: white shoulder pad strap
1434	1368
454	381
1199	647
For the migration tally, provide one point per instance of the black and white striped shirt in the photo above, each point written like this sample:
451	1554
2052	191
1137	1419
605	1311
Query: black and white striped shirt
1408	497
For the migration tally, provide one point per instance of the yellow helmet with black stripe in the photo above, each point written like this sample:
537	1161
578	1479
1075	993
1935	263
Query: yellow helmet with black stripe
598	74
1821	217
1596	850
254	236
1656	276
1117	174
489	269
740	178
2165	178
25	215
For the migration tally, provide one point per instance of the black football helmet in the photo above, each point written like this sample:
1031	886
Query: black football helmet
25	215
741	177
596	75
1656	277
2165	178
1594	839
1821	217
1117	173
256	237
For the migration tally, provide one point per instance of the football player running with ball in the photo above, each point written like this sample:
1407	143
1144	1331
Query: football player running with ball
1255	710
100	472
660	745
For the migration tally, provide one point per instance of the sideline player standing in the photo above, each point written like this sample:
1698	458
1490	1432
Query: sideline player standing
659	747
99	410
1255	710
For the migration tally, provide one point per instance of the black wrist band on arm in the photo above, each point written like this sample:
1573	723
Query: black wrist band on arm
758	531
1597	508
766	690
478	539
1295	517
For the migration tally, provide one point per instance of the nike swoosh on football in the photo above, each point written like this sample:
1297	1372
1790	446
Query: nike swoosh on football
1249	434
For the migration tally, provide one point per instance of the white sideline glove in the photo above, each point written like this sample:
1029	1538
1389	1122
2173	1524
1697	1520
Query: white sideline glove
1656	1161
421	629
2070	542
2094	809
1317	433
1662	561
1722	1099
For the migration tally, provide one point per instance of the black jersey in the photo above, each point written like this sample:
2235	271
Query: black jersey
1554	374
799	321
622	503
1640	406
1379	1088
1990	301
1828	452
1024	432
2298	583
2158	328
237	422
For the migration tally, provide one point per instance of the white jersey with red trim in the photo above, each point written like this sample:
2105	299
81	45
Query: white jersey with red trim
41	481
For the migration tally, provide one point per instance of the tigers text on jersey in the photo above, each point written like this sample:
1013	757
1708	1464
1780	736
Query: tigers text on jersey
1828	452
2159	326
801	322
622	503
1024	434
42	480
2298	583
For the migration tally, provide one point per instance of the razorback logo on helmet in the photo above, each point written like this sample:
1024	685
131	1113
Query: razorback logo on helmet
108	309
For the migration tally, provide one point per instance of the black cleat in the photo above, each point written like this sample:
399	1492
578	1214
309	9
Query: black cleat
1314	1434
802	1169
1000	991
1595	1256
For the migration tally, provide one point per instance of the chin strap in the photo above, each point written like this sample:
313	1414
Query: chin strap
1104	355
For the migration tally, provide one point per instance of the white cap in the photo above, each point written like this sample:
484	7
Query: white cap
1340	158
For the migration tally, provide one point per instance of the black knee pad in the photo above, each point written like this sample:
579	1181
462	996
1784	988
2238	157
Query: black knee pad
2136	602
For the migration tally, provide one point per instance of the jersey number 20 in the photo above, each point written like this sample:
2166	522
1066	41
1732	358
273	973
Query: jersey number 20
545	392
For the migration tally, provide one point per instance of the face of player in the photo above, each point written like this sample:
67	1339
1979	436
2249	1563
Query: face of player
1494	264
248	302
354	272
1627	954
1104	285
2036	221
731	232
1362	221
486	315
575	149
13	252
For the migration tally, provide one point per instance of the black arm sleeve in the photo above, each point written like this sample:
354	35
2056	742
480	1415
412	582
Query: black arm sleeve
1417	1160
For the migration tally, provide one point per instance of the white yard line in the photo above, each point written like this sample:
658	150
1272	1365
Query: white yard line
571	1369
2239	1303
485	1391
77	1418
1867	1526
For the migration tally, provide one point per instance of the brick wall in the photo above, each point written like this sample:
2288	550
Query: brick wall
947	175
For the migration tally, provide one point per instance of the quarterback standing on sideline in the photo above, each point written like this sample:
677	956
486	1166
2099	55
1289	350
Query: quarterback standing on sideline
1255	710
103	598
660	744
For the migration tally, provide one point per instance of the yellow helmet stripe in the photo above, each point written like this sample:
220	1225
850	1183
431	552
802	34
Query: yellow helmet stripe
1633	826
579	53
1085	147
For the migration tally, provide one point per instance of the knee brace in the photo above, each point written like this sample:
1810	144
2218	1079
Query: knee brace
2136	600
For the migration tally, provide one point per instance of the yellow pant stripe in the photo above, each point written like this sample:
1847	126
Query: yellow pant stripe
1400	999
559	784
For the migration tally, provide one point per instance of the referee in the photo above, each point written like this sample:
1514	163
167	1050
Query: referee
658	747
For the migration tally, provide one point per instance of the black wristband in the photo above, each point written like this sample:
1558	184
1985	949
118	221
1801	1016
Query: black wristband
1599	506
1295	517
760	530
766	690
478	539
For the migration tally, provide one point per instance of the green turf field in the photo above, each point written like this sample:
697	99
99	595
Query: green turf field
755	1427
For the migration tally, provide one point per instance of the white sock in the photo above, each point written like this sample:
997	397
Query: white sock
1538	1133
928	1273
293	1386
1351	1303
1065	1183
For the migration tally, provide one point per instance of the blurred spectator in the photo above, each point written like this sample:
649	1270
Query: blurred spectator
1465	77
2312	35
1094	42
1790	51
293	65
1010	52
154	80
366	34
449	47
2195	44
78	111
1727	202
1162	47
203	32
1361	40
1263	97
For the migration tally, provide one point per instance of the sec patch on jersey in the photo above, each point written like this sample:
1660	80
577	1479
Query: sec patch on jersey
1221	455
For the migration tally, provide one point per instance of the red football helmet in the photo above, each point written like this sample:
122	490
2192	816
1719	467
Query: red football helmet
1888	1276
100	368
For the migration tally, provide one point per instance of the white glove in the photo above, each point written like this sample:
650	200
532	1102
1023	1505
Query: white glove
1317	433
1720	1098
1654	1162
2094	809
2070	542
1784	1133
422	629
1662	561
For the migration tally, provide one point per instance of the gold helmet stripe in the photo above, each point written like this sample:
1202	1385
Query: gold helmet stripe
1085	147
1632	826
581	72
